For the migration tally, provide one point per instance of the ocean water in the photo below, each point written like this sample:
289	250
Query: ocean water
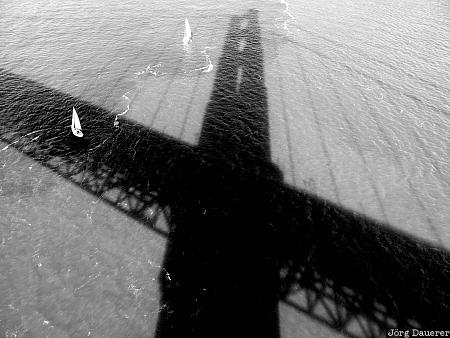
357	96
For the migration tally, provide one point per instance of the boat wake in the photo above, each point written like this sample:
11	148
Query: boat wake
174	62
204	69
282	22
189	63
210	66
128	102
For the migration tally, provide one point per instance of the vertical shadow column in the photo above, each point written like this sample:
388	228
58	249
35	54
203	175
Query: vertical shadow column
236	126
220	276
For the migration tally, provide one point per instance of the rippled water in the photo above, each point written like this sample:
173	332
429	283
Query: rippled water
359	114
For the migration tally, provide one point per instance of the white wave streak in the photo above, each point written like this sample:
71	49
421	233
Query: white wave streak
10	144
33	132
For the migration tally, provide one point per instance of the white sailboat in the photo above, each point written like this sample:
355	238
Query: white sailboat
187	33
76	125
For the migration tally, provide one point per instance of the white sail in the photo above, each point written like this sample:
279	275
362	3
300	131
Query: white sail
76	125
187	33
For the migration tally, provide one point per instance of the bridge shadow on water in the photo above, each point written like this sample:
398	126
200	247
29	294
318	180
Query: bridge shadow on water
239	239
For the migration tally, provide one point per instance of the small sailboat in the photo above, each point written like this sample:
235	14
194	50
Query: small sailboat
187	33
76	125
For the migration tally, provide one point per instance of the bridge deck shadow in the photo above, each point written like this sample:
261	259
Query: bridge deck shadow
240	240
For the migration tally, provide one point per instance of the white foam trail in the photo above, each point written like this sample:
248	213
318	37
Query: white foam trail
207	68
286	11
116	121
155	70
210	66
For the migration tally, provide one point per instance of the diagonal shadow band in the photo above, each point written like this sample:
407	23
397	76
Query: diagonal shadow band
126	167
240	240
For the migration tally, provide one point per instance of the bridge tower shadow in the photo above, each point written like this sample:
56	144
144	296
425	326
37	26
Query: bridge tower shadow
220	277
